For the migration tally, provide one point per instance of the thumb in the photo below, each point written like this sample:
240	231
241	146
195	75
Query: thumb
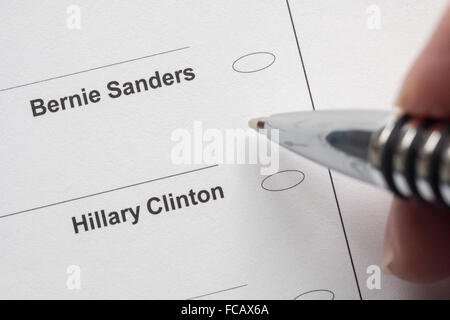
417	241
425	90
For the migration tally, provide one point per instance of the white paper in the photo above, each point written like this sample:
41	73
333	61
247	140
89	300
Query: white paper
352	64
116	154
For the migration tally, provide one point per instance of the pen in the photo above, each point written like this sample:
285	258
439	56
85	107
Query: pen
408	155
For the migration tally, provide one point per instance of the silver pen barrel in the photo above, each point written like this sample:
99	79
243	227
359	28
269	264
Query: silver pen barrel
409	156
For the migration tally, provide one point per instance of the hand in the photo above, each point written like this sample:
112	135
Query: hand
417	240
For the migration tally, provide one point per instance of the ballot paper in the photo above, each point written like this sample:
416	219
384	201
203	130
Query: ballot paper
356	58
95	203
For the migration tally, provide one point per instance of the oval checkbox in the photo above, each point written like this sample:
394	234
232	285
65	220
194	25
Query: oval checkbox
283	180
254	62
321	294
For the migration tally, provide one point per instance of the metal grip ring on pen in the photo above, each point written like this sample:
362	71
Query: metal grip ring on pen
413	156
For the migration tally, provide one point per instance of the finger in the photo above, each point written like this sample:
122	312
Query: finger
417	242
425	90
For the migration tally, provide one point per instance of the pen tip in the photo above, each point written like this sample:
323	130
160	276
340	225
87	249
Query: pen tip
257	123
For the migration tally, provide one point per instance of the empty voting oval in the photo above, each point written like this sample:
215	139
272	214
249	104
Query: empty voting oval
283	180
254	62
316	295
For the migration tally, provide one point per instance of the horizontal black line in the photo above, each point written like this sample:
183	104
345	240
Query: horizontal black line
208	294
107	191
92	69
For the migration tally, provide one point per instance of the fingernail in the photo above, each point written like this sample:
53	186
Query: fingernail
388	258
